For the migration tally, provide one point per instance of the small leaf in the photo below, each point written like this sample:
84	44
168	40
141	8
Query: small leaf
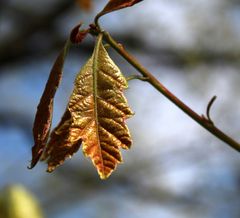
95	116
77	35
114	5
43	118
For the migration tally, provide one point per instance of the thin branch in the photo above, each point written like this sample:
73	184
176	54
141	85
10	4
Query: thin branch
208	125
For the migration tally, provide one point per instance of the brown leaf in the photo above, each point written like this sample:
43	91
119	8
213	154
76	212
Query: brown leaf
95	116
114	5
43	118
64	142
77	35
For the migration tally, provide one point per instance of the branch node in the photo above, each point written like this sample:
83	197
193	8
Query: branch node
209	106
107	46
142	78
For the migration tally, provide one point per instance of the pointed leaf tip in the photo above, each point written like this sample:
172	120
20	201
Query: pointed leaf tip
114	5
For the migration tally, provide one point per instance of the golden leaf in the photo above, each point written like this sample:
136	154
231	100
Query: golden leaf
99	108
95	116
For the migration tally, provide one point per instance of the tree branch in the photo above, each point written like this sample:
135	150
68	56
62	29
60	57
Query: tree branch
202	120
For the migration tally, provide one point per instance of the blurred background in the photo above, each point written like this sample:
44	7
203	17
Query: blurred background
175	168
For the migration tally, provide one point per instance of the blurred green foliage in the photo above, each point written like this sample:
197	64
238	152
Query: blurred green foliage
18	202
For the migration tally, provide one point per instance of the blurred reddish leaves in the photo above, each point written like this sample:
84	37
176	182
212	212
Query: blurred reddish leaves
85	4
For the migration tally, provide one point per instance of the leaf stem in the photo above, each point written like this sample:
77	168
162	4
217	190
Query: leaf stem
207	124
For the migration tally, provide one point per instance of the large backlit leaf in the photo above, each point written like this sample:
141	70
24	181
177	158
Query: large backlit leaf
96	115
114	5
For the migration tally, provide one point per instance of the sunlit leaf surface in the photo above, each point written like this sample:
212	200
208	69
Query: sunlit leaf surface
95	116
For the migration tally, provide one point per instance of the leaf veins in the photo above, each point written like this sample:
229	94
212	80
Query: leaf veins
95	116
43	118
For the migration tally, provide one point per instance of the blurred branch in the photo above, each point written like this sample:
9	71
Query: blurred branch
172	57
16	47
178	57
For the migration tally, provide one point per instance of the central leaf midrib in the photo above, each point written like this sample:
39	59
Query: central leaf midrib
95	92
